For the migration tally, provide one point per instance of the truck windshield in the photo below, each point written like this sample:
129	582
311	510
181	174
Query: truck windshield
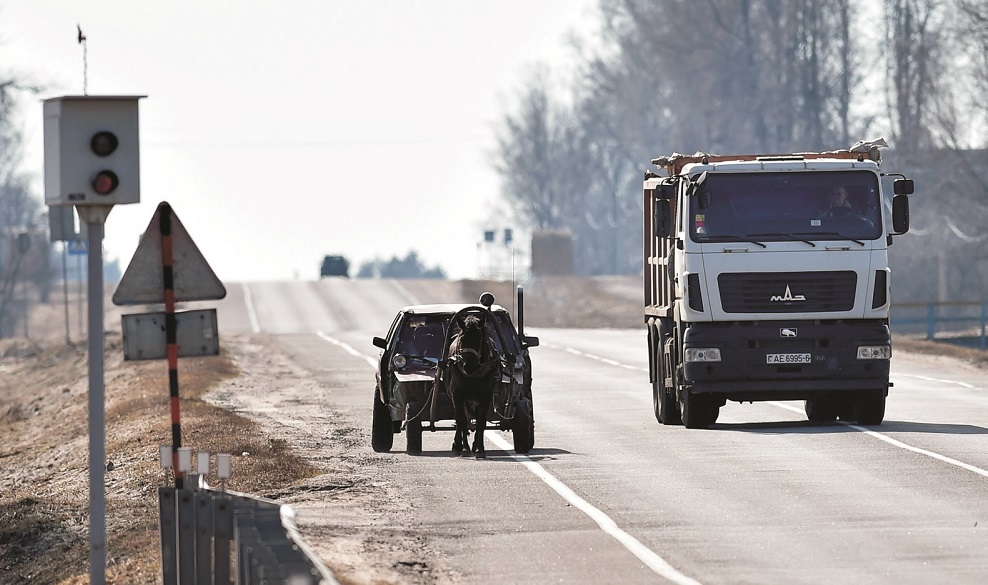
787	206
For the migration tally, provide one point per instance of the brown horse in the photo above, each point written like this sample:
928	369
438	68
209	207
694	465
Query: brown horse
473	370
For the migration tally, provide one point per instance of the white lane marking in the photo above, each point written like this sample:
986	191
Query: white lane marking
255	325
348	348
879	436
938	380
652	560
591	356
899	444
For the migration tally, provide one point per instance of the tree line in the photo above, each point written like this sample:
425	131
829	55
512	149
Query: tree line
760	76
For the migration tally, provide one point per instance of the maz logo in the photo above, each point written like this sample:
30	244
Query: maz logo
788	332
788	296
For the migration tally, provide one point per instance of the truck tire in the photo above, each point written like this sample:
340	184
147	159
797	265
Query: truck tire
382	430
664	397
664	403
413	429
822	409
523	426
698	411
869	408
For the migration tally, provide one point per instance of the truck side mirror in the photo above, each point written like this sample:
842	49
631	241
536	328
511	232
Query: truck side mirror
900	212
903	186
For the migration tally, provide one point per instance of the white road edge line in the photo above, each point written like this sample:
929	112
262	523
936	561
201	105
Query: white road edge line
255	325
867	431
653	561
900	444
347	348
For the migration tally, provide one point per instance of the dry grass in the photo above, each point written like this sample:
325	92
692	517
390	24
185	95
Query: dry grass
44	477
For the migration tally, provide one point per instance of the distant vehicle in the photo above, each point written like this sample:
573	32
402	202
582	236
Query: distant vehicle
334	266
410	394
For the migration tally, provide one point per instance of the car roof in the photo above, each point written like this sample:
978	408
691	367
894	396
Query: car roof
446	308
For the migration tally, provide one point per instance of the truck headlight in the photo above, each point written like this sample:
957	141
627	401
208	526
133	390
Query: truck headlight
702	354
399	361
874	352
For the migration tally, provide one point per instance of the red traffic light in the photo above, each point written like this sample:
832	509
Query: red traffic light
103	143
105	182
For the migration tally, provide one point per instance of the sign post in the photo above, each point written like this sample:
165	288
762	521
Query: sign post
167	267
92	162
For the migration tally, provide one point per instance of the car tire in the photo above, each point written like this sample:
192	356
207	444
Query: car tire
413	429
382	429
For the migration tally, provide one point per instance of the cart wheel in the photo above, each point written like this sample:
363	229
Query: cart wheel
523	426
413	430
382	429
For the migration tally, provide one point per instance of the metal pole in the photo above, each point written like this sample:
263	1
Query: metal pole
171	335
78	273
65	293
97	439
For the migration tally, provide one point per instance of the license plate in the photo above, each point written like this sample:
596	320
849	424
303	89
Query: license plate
788	358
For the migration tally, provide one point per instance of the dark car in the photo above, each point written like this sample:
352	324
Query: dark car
409	396
334	266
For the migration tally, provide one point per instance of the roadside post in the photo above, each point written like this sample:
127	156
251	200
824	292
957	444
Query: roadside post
92	162
167	268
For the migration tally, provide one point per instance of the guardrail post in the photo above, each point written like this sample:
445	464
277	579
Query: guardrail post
169	544
223	534
186	536
204	536
931	321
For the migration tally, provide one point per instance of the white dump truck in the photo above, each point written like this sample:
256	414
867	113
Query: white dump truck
767	278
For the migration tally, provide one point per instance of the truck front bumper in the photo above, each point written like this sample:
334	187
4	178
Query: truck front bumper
807	358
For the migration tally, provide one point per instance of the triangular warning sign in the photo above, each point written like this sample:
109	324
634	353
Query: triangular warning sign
143	282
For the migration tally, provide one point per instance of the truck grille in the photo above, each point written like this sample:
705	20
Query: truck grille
787	292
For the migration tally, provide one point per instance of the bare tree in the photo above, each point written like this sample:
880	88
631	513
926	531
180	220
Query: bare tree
20	219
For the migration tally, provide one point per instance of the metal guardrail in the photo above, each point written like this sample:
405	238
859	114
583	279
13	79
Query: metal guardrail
938	318
206	534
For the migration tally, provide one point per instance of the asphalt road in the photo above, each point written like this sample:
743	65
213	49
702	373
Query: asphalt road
610	496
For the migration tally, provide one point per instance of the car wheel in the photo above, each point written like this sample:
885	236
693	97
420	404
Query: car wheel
382	429
413	429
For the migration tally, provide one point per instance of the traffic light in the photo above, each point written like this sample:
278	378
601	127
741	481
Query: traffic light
92	150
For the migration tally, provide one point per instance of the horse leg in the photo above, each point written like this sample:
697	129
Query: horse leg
460	437
483	405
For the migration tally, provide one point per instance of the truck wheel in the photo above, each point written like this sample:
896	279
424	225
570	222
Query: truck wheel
698	410
382	430
822	409
664	401
523	427
869	408
664	404
413	429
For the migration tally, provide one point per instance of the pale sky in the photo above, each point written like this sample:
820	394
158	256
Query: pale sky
283	131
